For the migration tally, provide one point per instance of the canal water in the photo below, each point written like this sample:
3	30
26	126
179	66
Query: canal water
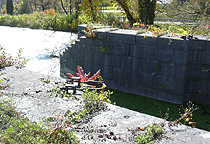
42	47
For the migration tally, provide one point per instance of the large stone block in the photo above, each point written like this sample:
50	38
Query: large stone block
164	55
208	45
132	77
135	64
131	63
149	66
164	43
101	59
116	74
122	36
206	58
119	49
108	60
96	49
107	72
111	84
100	35
178	44
147	80
142	52
175	70
170	97
176	86
197	45
116	61
96	58
150	42
181	57
159	83
87	67
145	91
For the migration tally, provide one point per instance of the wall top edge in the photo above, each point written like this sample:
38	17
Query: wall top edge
111	30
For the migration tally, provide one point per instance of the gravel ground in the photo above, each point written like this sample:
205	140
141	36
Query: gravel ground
115	125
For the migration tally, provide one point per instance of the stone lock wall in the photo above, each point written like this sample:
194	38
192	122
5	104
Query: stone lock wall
168	69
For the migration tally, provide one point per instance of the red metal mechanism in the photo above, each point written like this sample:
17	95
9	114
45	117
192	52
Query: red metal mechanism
83	76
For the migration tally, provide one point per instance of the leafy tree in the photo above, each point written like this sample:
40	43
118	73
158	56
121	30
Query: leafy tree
190	9
44	4
2	2
90	7
145	10
25	7
193	10
67	5
9	6
125	7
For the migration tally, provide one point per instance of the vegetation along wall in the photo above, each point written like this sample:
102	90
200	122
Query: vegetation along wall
165	68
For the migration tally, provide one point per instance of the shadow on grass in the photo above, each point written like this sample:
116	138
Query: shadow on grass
158	108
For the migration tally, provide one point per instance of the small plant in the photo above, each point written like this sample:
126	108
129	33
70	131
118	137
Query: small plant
157	69
155	131
75	117
162	85
60	91
8	60
151	132
187	113
61	130
205	68
94	101
104	49
90	32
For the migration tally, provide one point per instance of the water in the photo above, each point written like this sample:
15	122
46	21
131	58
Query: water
37	45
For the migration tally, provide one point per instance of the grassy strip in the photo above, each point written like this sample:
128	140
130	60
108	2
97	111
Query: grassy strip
160	108
15	128
38	20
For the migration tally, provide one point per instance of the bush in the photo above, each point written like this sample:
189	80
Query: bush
94	101
43	20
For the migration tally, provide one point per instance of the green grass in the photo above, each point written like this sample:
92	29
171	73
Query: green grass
159	108
15	128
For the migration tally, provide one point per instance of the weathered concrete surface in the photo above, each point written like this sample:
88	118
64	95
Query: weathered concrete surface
29	94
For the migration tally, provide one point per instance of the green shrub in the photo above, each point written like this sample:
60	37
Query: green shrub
94	101
39	20
150	133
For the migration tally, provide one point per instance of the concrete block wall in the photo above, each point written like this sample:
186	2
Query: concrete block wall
168	69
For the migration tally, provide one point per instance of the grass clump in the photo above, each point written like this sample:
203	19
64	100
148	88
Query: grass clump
151	132
15	128
95	101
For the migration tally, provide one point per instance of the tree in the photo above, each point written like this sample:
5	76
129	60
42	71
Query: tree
44	4
2	2
9	6
196	10
90	7
147	11
25	7
124	5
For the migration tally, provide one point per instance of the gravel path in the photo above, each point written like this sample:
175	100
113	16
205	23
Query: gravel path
29	94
